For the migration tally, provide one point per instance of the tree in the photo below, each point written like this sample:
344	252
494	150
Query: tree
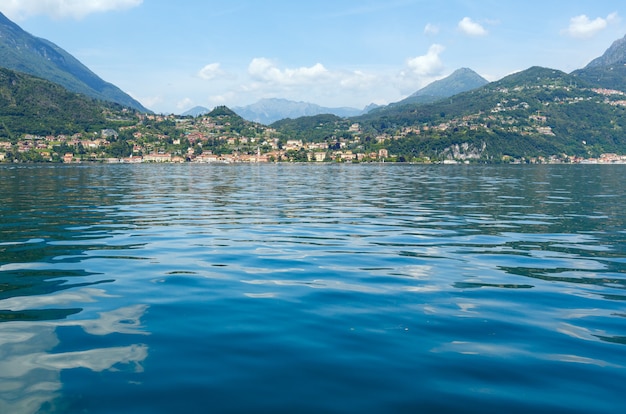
120	149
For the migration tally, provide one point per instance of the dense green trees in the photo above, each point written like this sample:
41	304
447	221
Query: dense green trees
119	149
30	105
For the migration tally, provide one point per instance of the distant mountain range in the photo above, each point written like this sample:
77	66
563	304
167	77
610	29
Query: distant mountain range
268	111
196	111
25	53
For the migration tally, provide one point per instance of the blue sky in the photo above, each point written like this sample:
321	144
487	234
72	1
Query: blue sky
173	55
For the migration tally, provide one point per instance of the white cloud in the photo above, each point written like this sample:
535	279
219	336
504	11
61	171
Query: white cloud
583	27
316	83
429	64
420	71
358	80
185	104
262	69
210	71
471	28
431	29
59	9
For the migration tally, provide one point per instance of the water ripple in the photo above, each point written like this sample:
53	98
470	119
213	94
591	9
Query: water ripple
327	288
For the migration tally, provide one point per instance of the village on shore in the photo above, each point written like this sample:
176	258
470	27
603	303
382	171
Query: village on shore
225	138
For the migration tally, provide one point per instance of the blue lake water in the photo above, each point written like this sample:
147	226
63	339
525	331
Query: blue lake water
312	289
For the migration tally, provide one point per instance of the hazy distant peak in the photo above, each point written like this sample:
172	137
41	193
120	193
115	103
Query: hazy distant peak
461	80
196	111
614	55
269	110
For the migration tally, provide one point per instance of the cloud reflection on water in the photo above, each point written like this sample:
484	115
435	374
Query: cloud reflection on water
30	373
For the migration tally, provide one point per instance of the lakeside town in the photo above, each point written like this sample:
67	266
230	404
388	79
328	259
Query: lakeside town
174	139
224	137
43	149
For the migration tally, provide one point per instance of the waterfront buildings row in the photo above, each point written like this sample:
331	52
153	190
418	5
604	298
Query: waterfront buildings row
209	157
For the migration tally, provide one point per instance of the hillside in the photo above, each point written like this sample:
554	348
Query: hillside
30	105
317	128
23	52
539	112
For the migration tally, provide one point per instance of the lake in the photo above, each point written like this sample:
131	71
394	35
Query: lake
327	288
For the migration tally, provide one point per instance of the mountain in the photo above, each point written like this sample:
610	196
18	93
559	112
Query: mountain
218	111
267	111
31	105
23	52
196	111
536	112
614	55
224	111
539	112
461	80
609	70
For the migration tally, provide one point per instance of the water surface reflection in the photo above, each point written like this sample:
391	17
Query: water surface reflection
325	288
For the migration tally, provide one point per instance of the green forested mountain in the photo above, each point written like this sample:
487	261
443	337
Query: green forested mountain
537	112
30	105
23	52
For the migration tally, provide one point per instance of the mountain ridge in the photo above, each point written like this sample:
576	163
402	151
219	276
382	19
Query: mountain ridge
461	80
23	52
609	69
269	110
614	55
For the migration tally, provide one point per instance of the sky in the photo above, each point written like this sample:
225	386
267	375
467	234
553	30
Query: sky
174	55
